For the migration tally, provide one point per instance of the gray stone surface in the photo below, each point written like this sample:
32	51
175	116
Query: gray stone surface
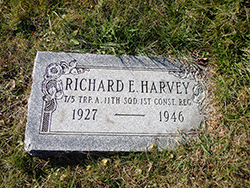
86	102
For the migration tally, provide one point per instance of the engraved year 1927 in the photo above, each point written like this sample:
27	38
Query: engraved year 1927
85	114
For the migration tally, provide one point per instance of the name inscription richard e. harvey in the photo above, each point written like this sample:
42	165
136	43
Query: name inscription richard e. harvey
118	101
118	86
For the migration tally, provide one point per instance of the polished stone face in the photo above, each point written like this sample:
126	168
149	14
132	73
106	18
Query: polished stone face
84	102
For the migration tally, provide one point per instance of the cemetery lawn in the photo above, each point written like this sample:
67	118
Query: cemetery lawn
191	30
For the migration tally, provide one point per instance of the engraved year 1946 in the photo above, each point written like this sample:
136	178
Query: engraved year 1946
84	114
175	116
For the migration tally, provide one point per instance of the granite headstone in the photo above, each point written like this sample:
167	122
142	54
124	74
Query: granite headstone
86	102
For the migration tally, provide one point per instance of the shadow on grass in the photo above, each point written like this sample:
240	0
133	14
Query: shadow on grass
65	159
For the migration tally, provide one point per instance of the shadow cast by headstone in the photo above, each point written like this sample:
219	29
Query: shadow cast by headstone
65	159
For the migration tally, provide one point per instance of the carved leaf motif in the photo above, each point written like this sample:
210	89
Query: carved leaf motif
198	93
51	90
65	67
80	71
72	63
59	85
73	71
47	98
59	95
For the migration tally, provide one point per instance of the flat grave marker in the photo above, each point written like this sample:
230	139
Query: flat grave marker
86	102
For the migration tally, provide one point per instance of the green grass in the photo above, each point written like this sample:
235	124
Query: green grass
217	30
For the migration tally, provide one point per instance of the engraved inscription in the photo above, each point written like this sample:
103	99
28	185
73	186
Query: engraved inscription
141	102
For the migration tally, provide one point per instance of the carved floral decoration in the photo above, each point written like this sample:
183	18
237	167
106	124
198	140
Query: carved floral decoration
193	72
52	88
